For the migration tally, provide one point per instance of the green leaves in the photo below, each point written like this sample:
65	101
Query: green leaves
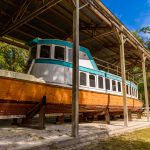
13	58
145	30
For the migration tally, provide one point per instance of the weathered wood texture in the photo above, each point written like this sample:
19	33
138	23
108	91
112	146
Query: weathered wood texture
75	72
123	75
20	96
145	85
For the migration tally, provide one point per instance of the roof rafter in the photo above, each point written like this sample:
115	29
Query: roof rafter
42	9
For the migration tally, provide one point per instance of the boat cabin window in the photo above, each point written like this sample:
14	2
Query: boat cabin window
119	87
59	53
45	51
127	89
130	90
134	93
83	79
114	86
107	82
100	82
92	80
70	55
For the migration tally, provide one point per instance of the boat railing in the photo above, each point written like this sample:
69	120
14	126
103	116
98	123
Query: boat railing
111	68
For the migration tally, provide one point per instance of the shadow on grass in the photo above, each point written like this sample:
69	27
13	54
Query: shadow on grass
119	143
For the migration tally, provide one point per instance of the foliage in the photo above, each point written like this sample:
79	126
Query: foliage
137	36
13	58
145	30
136	70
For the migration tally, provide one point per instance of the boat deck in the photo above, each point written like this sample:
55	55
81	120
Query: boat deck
21	76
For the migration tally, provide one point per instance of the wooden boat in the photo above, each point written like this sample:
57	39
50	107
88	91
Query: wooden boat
50	75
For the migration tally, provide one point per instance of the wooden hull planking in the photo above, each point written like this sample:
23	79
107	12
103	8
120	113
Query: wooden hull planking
17	97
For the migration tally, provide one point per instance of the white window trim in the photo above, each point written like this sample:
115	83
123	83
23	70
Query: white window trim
52	51
116	86
95	81
120	87
67	53
64	52
38	51
98	82
49	51
110	85
129	90
86	79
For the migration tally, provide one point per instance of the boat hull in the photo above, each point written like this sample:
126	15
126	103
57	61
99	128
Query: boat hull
18	97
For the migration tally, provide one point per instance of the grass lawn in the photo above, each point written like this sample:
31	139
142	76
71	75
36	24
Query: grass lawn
138	140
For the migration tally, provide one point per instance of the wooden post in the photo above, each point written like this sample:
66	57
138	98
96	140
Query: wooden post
42	113
145	86
123	74
75	75
130	115
107	116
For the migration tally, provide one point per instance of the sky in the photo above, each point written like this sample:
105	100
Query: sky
134	14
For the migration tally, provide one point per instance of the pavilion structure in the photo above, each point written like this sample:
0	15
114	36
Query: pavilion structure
85	22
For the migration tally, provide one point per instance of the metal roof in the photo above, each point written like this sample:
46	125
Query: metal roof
24	20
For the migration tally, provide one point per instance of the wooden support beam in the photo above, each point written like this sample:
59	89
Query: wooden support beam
107	116
25	33
40	30
99	14
130	115
123	74
21	11
75	72
12	42
42	113
32	15
145	85
38	108
50	24
98	36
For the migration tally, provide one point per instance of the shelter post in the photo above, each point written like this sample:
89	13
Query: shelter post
123	75
145	85
75	75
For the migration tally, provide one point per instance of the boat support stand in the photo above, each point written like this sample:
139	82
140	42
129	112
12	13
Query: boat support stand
40	109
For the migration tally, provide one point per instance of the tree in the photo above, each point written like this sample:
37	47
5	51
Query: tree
141	36
13	58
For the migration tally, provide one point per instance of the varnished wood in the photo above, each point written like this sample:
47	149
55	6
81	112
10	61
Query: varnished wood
17	97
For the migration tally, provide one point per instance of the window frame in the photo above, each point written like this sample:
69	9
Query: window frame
85	78
116	86
50	51
95	80
110	84
65	53
120	87
98	82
